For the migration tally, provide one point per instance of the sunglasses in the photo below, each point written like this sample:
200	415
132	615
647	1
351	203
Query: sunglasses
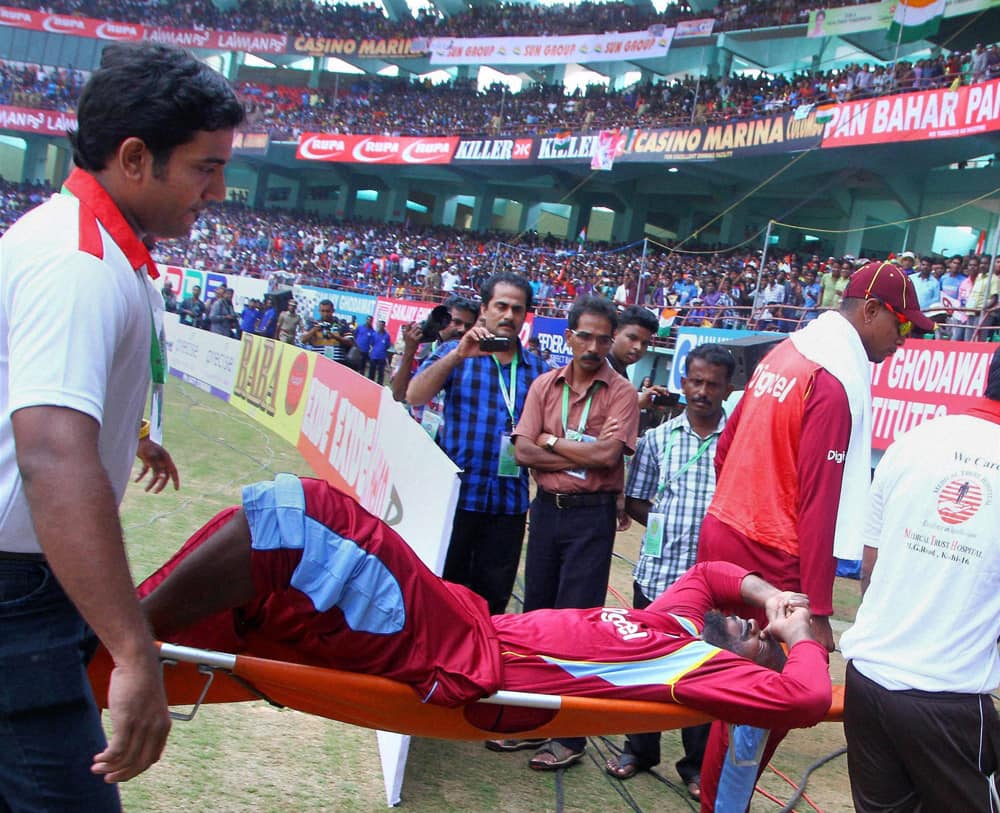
905	326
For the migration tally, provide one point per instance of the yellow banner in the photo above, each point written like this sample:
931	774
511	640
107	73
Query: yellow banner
272	382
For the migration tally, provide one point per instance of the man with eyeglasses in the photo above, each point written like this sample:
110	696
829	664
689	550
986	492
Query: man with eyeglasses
577	423
796	448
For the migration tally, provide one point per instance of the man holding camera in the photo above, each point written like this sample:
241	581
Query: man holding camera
328	334
485	376
670	484
418	344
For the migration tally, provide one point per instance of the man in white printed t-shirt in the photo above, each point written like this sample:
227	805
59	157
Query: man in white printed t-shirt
155	130
922	732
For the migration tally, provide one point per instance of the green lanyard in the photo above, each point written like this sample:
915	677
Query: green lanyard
509	395
157	361
583	415
666	460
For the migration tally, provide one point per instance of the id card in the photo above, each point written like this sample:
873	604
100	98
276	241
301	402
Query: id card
508	464
573	434
652	542
431	422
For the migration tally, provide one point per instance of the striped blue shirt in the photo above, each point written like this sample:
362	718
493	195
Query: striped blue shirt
475	420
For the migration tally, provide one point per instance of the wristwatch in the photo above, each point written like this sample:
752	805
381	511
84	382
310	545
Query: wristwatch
550	444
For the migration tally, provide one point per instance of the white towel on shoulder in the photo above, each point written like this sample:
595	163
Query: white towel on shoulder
832	342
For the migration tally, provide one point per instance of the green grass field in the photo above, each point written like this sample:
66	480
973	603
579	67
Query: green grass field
251	757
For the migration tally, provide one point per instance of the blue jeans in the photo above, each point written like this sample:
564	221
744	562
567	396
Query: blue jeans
50	728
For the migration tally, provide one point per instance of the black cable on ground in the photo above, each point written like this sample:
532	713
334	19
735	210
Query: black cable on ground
797	796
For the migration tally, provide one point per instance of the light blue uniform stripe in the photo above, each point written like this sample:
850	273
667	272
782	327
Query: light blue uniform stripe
334	571
665	670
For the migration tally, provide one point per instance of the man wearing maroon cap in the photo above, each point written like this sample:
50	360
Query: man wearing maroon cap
802	435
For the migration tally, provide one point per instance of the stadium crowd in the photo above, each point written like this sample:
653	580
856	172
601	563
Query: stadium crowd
705	285
399	106
370	20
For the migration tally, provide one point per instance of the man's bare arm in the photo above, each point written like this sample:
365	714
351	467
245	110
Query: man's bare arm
638	509
868	559
75	516
527	454
216	576
404	372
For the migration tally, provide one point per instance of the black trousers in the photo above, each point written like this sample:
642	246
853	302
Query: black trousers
918	752
568	562
484	553
646	747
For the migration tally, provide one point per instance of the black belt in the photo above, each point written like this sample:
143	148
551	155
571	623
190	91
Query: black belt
15	556
578	500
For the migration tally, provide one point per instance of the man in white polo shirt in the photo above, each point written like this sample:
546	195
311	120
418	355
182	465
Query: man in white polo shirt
155	129
922	732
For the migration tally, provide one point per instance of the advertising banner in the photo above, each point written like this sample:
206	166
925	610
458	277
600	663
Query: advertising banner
356	437
493	150
690	337
183	280
398	313
30	120
203	359
378	47
376	149
551	335
345	303
251	143
925	379
774	134
252	41
585	48
926	115
836	22
272	384
694	28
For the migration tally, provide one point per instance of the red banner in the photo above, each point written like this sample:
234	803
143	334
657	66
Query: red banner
925	379
252	41
29	120
374	149
928	115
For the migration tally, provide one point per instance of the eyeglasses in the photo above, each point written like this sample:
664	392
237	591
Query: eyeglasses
587	338
905	325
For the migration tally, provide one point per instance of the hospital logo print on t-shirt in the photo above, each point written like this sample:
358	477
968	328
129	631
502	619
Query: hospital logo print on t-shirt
959	500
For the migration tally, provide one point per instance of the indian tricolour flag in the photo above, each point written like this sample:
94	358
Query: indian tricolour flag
915	20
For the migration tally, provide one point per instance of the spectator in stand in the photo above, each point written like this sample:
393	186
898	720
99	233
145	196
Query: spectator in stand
222	318
192	309
169	297
831	290
289	323
972	297
363	341
266	324
927	286
951	285
250	316
380	347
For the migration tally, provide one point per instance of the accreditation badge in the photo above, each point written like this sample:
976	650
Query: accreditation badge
508	463
652	541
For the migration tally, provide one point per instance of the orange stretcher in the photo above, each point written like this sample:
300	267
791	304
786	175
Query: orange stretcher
196	676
